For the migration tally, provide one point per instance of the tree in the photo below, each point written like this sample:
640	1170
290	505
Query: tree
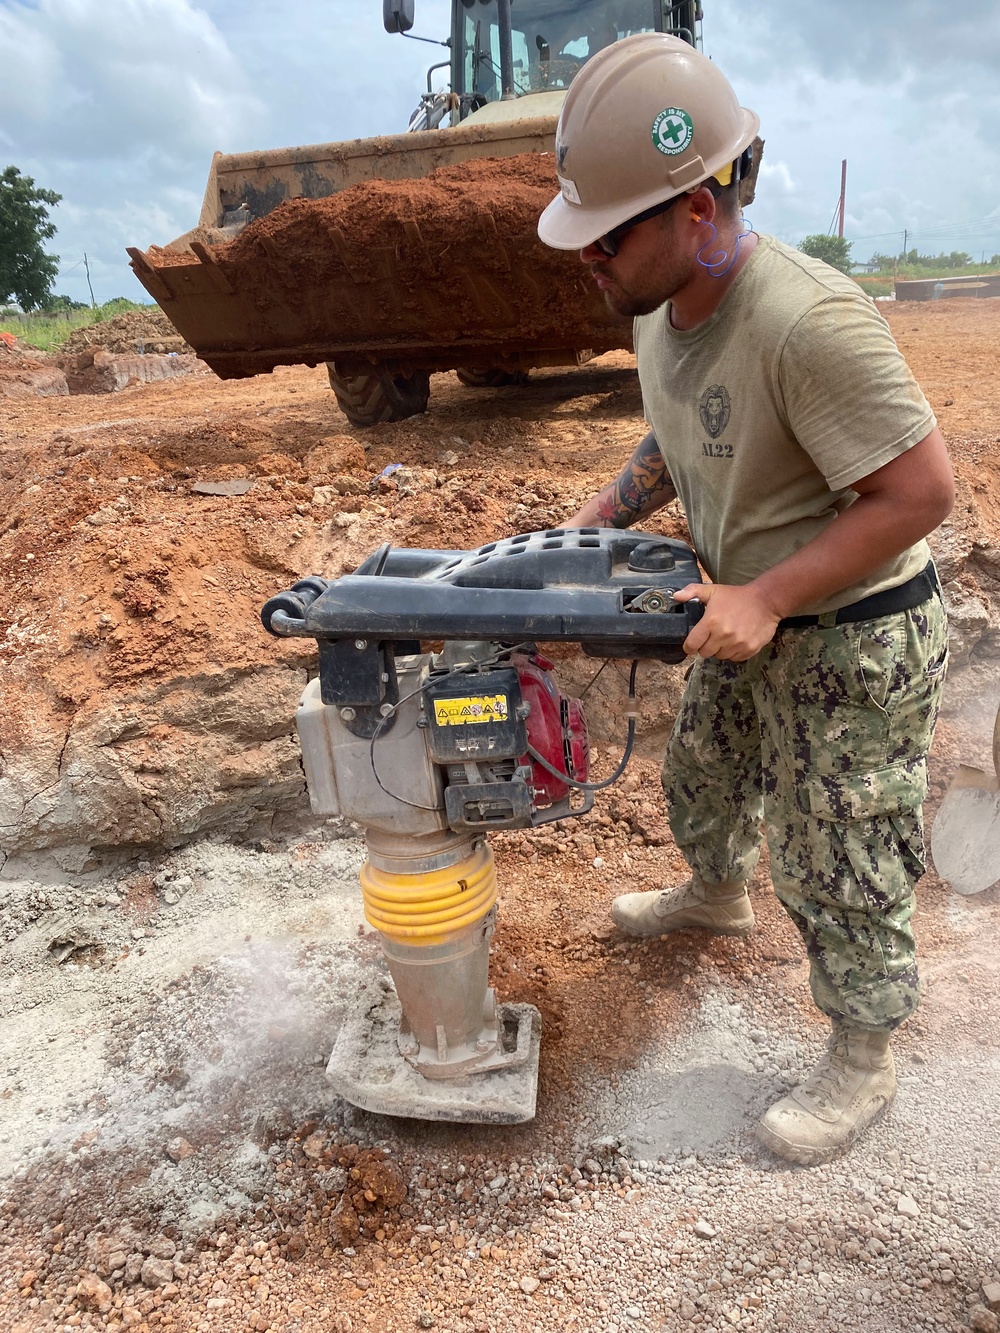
833	250
26	271
56	304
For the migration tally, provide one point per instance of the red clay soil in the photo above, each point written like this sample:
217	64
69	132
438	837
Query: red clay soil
114	570
455	254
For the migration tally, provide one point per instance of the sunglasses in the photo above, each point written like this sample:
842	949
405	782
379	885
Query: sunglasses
609	243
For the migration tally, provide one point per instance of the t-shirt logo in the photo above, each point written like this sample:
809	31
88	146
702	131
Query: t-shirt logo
714	410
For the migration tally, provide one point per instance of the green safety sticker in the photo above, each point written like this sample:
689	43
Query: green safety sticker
673	130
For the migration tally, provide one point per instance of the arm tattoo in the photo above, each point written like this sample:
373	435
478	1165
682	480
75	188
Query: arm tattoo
643	486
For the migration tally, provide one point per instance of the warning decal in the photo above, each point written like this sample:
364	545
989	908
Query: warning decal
461	712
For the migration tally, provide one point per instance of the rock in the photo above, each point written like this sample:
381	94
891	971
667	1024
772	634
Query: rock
344	1224
982	1320
313	1145
425	1319
156	1272
226	757
968	622
96	370
908	1206
93	1294
27	375
179	1149
412	480
529	1285
991	1294
334	460
238	486
951	545
704	1230
162	1247
133	1268
449	458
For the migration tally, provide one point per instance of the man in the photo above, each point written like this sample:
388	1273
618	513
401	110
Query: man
811	469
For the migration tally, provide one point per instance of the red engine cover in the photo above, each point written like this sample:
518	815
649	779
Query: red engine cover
556	727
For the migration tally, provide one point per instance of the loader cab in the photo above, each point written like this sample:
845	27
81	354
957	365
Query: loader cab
551	40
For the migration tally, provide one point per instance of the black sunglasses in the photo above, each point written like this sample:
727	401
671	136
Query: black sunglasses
608	243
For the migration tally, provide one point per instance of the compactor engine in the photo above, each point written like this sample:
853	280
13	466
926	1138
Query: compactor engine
430	751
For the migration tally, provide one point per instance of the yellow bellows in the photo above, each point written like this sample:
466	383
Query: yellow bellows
432	907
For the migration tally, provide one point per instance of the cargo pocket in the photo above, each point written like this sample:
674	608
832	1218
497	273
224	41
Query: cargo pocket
896	789
873	822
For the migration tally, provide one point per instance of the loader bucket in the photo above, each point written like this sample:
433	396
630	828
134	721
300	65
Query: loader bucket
401	253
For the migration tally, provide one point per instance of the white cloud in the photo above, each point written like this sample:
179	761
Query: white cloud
907	92
88	79
119	104
776	178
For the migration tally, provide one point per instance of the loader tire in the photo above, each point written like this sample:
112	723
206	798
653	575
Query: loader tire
495	378
367	400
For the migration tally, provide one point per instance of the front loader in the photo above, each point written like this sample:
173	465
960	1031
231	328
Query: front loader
397	256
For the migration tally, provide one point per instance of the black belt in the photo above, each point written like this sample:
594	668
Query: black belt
904	597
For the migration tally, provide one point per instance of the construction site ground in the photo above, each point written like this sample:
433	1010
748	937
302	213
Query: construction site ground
179	939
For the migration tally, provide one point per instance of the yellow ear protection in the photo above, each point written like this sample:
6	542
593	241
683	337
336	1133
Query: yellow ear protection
732	171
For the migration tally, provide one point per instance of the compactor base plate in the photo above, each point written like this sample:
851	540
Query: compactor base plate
367	1070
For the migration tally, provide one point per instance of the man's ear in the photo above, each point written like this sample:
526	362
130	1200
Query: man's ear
702	202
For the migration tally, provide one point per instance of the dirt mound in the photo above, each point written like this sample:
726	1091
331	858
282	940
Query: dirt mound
25	373
455	253
146	330
170	1153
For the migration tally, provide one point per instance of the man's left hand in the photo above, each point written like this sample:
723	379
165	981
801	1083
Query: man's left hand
736	623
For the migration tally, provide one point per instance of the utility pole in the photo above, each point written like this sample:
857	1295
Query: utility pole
905	234
843	196
86	265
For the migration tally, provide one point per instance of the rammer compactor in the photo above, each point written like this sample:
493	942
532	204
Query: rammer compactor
431	751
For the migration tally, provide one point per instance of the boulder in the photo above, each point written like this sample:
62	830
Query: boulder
153	767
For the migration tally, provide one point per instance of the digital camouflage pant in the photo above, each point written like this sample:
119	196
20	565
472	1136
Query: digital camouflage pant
825	735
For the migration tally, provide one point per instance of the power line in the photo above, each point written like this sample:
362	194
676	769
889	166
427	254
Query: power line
988	226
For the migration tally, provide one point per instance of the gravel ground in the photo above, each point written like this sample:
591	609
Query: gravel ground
172	1157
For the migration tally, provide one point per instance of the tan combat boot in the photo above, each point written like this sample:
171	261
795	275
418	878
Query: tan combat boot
722	909
854	1081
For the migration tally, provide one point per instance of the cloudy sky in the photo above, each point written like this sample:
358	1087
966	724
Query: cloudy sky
119	104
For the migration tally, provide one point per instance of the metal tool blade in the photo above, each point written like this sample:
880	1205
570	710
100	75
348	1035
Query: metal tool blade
965	836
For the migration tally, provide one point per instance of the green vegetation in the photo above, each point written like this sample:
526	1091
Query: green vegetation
915	265
26	271
833	250
881	282
882	270
49	328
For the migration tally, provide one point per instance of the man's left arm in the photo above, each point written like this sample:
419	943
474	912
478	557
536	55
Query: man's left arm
897	505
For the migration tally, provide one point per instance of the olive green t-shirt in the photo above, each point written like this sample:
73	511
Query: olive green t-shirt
766	413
